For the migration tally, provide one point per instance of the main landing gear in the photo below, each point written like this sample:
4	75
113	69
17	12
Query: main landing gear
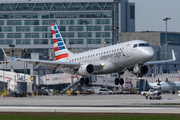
119	81
84	81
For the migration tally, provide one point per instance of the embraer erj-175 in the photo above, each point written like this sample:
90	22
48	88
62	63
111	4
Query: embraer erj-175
133	55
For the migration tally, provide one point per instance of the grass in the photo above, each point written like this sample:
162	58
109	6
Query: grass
86	116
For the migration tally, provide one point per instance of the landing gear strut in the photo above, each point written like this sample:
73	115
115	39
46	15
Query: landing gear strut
117	81
86	81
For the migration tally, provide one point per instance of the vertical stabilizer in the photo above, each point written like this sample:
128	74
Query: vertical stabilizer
60	49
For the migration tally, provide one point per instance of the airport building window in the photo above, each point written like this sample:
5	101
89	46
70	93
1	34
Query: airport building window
58	7
70	22
1	42
19	42
107	28
40	7
63	22
8	42
22	6
13	22
75	28
1	22
46	35
1	35
22	28
40	41
75	6
62	28
40	28
70	35
13	35
5	7
76	41
48	22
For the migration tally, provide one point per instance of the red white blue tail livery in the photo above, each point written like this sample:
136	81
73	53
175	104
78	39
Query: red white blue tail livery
60	49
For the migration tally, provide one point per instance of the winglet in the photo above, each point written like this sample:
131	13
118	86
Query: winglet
173	55
4	53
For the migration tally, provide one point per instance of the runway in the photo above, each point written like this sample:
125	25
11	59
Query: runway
91	104
92	109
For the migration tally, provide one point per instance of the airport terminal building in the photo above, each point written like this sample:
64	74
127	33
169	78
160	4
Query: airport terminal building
25	27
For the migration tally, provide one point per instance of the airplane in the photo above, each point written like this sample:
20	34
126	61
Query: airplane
132	55
165	86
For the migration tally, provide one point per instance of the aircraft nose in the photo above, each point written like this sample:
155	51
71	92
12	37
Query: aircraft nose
149	54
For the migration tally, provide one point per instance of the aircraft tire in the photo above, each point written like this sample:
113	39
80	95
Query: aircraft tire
86	81
82	81
121	81
116	81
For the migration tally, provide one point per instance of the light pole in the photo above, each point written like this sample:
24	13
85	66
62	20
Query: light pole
70	45
86	22
166	19
105	43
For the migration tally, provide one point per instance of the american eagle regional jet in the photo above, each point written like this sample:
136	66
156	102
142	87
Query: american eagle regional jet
132	55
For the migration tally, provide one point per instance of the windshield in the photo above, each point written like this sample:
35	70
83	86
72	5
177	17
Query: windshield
144	45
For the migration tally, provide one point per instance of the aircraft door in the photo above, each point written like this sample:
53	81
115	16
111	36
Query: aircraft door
127	50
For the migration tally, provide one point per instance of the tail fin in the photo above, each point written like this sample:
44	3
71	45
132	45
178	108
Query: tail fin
60	49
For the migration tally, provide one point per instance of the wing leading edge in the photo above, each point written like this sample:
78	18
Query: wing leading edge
163	61
57	64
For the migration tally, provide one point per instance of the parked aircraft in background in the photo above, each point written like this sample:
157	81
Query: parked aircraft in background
133	55
165	86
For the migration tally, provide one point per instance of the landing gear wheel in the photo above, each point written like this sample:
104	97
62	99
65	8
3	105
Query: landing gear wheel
121	81
86	81
82	81
116	81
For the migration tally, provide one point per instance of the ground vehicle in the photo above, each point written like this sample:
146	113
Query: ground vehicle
150	92
19	88
104	91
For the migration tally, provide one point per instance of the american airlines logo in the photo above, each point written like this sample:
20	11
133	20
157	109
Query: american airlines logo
115	54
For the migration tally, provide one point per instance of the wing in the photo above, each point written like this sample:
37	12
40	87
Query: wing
152	63
55	64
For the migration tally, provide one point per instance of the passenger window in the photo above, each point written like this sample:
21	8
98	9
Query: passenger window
135	45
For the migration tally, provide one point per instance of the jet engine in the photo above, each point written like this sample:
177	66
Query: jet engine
140	70
86	69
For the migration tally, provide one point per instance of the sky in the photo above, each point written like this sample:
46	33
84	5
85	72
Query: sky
149	15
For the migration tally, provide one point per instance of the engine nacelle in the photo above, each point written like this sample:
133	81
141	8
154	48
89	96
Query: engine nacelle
86	69
143	70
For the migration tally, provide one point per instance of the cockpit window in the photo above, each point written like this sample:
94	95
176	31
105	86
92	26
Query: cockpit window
135	45
144	45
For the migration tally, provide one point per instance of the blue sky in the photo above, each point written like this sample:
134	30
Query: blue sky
150	15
